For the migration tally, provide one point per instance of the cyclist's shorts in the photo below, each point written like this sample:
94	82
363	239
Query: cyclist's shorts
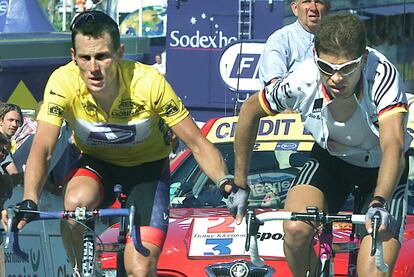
146	187
337	179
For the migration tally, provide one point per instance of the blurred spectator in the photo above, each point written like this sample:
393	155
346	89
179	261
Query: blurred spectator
10	120
5	146
64	155
159	65
385	38
80	5
410	101
85	5
12	165
27	129
6	181
23	133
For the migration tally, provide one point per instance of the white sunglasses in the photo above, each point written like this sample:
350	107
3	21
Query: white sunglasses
344	69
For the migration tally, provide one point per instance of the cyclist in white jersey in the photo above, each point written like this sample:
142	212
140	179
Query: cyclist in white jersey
352	100
290	45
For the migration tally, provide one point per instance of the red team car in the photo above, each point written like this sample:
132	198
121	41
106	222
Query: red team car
203	239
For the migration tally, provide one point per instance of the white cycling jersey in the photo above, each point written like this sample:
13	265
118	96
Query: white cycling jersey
302	90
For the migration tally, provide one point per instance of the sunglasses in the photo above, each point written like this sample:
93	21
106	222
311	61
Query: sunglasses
344	69
91	16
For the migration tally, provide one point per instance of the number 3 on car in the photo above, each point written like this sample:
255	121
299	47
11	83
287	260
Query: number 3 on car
215	236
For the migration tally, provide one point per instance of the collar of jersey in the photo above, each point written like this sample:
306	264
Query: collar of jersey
84	89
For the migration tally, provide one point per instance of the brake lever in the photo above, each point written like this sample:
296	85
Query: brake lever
12	239
376	222
249	216
11	212
131	217
252	227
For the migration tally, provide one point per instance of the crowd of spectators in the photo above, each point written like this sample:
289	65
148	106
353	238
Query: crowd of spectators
393	36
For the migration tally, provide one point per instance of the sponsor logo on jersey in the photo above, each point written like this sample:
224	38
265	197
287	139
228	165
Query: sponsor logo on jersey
170	109
317	105
51	92
89	107
112	134
55	109
127	108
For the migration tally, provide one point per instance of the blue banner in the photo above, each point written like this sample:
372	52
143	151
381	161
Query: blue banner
23	16
4	6
197	33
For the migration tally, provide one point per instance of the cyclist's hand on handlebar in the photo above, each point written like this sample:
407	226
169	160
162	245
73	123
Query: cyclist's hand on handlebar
386	229
21	218
25	217
237	202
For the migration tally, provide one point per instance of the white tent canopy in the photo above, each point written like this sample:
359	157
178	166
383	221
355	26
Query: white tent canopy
127	6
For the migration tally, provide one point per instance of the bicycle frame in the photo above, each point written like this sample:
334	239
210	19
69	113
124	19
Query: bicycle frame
254	222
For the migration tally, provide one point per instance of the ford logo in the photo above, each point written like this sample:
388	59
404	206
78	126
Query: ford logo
287	146
239	270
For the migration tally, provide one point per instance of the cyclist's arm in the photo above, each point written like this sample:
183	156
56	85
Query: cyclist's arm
206	154
246	130
392	147
39	157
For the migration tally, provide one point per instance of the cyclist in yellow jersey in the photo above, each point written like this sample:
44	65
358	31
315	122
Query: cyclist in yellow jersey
121	113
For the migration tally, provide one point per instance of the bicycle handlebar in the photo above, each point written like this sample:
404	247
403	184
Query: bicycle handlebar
12	237
253	223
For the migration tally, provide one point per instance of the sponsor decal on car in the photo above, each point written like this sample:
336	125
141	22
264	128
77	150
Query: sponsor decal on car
286	129
221	236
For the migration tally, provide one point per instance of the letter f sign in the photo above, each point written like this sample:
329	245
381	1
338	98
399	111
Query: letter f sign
248	66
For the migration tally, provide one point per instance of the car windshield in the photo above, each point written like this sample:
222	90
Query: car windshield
270	175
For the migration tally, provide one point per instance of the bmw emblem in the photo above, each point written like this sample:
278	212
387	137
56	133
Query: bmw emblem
239	270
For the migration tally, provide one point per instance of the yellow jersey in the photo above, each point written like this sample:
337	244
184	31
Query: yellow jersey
136	129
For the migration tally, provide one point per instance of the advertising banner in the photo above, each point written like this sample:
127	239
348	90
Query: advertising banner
17	16
197	33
